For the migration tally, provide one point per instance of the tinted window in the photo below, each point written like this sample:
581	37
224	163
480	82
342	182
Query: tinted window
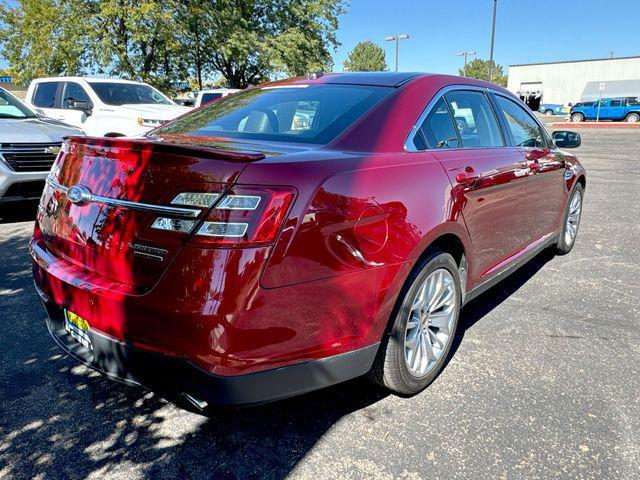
603	103
10	107
437	130
45	95
304	113
616	103
474	119
128	94
633	101
73	91
209	97
524	129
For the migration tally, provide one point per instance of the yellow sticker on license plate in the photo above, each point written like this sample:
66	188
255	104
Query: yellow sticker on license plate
78	328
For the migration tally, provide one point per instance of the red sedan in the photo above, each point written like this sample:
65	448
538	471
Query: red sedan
298	234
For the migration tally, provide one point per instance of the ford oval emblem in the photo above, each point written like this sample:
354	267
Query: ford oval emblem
79	195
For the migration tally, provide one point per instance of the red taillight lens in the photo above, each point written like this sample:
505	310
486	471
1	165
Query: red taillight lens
245	216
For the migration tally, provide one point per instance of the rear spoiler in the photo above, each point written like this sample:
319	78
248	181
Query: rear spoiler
168	145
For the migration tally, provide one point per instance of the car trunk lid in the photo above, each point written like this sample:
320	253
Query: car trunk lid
103	194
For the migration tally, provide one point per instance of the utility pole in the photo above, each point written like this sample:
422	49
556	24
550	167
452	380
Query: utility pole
493	34
464	54
396	38
601	88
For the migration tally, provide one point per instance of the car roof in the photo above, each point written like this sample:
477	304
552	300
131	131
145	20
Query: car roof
381	79
87	79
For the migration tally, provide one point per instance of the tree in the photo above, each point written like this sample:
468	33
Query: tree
138	39
366	57
479	69
249	41
44	37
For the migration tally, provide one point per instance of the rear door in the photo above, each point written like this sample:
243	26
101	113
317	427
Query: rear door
46	99
488	177
544	167
616	109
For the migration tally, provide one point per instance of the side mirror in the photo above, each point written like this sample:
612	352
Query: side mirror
80	105
564	139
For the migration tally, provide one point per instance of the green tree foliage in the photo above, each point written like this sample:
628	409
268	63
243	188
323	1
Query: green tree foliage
159	41
479	69
366	57
44	37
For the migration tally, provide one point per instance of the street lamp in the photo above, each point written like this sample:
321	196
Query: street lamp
395	38
493	34
464	54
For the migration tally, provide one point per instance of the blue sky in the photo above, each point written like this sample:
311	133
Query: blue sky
526	30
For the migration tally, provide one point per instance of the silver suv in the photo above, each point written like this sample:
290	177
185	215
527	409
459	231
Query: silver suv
28	146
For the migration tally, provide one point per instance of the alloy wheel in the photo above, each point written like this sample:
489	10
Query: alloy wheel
429	326
573	218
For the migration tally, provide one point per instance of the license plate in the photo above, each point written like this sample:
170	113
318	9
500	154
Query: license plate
78	328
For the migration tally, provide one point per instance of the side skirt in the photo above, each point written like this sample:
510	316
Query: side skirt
509	269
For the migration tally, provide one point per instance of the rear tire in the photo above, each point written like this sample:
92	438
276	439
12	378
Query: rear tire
548	113
577	117
633	118
571	221
424	325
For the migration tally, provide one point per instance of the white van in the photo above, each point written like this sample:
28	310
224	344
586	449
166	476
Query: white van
102	106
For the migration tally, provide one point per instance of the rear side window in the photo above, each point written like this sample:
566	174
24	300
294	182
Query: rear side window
437	130
289	113
616	103
524	129
45	95
474	119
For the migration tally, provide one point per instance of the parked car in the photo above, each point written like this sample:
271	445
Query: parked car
206	96
232	258
28	146
554	109
102	106
620	109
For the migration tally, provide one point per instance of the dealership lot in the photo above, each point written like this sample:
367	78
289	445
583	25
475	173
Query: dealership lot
544	381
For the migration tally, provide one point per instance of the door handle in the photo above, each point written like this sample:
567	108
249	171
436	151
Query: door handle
468	177
536	154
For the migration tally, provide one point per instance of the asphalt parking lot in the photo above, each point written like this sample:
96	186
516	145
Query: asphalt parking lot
544	381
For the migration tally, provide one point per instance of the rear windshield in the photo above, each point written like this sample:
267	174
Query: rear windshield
298	113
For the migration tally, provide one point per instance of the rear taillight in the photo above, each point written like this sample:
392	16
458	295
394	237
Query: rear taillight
242	216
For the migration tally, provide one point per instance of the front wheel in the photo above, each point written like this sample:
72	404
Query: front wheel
633	118
548	113
424	326
577	117
571	222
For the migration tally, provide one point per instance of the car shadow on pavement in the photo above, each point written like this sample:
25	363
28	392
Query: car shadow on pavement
18	212
61	420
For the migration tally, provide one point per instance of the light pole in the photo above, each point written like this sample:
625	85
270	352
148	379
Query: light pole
395	38
464	54
493	34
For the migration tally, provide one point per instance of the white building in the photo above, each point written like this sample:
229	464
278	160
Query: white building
575	80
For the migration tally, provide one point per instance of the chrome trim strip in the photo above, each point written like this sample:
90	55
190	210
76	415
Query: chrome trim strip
144	207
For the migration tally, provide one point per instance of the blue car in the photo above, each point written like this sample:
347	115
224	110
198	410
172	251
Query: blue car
553	109
620	109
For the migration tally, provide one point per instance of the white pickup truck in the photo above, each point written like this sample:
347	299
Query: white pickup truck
102	106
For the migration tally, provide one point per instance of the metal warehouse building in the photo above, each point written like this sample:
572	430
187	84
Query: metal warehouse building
574	81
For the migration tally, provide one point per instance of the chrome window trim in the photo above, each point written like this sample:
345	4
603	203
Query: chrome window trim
409	145
143	207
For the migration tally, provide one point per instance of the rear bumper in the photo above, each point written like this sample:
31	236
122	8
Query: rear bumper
176	376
